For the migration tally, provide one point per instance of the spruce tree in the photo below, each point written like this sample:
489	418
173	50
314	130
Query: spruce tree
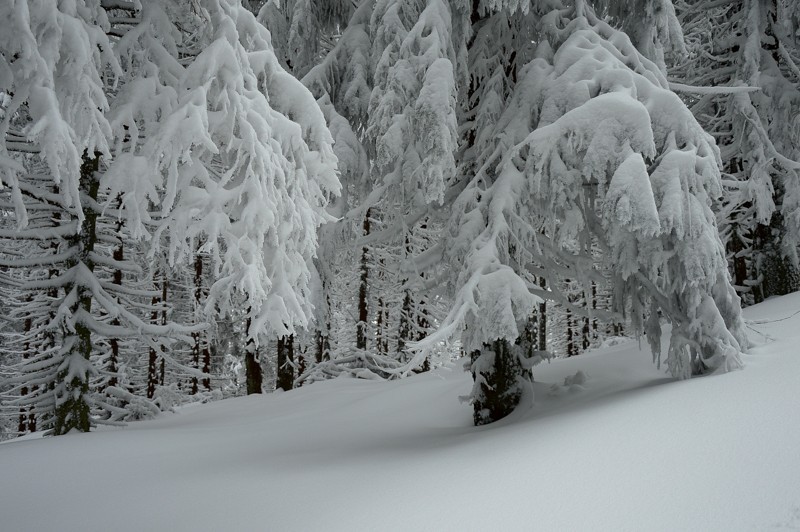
592	148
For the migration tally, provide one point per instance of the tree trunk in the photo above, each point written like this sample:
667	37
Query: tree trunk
196	338
252	364
113	361
301	361
72	406
26	413
542	322
404	329
571	351
361	327
155	362
164	288
586	335
501	379
285	378
381	329
152	358
322	344
423	325
586	329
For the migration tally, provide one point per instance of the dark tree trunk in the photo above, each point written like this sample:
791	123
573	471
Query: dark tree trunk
252	363
152	358
363	291
382	321
26	416
207	367
413	315
381	327
736	247
118	255
164	288
301	362
113	361
322	344
586	335
423	325
586	329
158	314
542	321
571	351
253	372
501	379
285	378
528	341
73	410
198	301
404	329
323	347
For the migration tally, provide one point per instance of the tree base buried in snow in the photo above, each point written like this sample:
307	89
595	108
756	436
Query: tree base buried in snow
499	377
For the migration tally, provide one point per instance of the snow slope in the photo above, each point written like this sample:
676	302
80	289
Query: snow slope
628	450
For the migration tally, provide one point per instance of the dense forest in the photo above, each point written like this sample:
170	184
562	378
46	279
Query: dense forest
210	198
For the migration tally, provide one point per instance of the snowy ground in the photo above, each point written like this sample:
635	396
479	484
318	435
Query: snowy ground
628	450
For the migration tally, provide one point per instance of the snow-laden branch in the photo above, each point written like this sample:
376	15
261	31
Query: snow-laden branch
680	87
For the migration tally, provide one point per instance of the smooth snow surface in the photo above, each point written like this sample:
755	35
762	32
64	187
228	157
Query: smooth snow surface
617	447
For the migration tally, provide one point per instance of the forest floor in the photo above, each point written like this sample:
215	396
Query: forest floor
629	449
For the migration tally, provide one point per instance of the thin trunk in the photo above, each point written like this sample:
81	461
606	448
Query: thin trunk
735	246
380	329
586	335
404	329
528	341
322	344
118	255
423	324
252	364
155	362
285	377
594	311
196	338
152	358
301	361
542	322
570	335
361	327
26	350
164	287
207	367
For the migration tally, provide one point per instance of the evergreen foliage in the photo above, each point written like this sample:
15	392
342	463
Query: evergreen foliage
217	197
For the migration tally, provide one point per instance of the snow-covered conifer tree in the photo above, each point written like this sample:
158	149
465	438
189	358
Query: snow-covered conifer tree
412	125
56	79
744	57
253	188
303	30
592	148
192	129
